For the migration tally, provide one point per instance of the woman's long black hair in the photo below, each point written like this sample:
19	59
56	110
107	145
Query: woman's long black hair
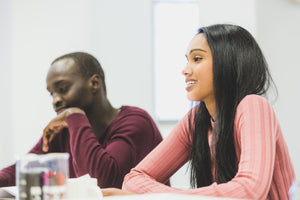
239	69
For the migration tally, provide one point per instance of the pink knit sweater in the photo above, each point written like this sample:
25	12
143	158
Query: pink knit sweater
265	170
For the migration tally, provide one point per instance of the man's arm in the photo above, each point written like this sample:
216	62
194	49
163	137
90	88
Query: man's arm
131	140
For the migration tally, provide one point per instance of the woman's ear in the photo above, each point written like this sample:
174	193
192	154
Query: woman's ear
95	83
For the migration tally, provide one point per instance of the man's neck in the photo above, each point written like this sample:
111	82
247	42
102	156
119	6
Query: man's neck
101	118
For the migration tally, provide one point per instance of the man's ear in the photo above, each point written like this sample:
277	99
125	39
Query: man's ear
95	83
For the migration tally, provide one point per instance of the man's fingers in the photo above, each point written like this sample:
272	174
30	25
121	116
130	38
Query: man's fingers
53	128
45	140
51	136
45	148
45	144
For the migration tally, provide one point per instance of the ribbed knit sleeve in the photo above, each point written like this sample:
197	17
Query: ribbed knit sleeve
265	170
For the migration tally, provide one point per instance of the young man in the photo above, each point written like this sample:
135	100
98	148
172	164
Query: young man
104	141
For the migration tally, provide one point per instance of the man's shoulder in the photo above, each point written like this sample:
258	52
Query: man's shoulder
132	115
133	111
138	121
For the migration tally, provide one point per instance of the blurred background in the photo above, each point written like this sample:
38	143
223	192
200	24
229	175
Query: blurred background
140	45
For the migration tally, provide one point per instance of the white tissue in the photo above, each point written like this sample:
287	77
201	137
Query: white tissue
83	187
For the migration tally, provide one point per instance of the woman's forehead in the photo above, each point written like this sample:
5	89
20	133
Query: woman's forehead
198	42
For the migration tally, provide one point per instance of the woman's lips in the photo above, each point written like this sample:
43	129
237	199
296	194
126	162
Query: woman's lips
189	84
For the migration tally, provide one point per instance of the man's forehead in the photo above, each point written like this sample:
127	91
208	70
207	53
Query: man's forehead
65	63
64	67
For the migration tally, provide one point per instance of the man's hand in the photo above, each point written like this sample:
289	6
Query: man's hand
56	125
114	191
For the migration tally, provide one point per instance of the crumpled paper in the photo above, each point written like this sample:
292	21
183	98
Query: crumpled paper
83	187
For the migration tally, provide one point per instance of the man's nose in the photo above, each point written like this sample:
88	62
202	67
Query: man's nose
56	100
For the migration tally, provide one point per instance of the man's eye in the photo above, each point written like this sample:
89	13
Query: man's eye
62	89
197	58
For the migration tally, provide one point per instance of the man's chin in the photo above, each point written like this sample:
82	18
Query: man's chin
60	111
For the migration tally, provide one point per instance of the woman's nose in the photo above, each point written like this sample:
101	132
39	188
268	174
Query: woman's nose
187	70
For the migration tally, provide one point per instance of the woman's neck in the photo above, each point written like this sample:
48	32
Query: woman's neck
211	107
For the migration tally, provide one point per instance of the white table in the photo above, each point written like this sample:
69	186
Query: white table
163	196
9	192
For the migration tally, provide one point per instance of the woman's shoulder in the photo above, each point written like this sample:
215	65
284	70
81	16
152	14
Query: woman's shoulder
253	98
254	104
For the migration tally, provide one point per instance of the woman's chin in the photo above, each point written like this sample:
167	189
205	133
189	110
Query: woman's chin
192	98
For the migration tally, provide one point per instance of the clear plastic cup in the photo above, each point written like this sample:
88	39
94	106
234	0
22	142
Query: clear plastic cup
42	176
294	192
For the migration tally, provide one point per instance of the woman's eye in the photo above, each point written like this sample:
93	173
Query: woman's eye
197	58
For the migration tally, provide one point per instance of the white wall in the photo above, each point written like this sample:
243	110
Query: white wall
41	31
122	40
279	35
5	80
119	34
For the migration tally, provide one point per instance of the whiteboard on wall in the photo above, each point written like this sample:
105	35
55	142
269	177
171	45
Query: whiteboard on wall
174	25
172	33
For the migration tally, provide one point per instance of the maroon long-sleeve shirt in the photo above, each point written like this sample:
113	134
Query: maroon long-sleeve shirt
128	139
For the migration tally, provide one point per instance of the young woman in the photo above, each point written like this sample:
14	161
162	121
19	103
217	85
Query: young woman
232	139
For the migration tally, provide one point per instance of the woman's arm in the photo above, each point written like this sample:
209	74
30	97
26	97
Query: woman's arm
161	163
256	124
